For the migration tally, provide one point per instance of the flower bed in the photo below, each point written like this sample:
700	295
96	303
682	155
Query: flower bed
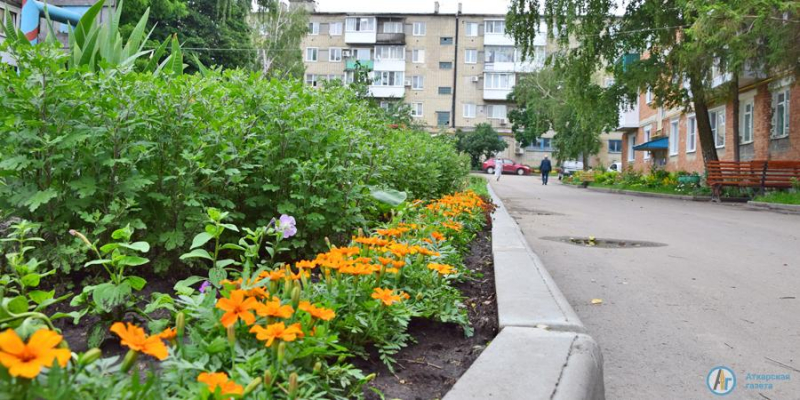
255	326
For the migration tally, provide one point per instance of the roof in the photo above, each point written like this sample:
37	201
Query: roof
424	7
661	143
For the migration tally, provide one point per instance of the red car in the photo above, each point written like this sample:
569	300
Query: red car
509	167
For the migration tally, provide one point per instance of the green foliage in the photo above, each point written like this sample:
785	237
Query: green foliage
277	35
482	143
95	151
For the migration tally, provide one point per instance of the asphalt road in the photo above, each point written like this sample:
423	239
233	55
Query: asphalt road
723	291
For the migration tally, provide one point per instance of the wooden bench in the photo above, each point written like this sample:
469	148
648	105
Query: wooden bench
586	178
757	174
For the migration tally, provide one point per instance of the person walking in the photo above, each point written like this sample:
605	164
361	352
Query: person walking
545	167
498	168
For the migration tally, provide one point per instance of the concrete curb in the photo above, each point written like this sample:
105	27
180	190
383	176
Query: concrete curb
781	208
661	195
542	351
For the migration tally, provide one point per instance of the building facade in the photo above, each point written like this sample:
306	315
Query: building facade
769	127
10	9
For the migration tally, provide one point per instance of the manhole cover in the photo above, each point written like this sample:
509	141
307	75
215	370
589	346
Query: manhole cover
603	243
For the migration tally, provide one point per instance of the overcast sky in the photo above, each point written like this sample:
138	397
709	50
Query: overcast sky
414	6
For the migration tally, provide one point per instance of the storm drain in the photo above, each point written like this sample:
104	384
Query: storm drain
592	241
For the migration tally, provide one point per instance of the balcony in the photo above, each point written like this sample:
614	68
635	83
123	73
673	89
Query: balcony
351	62
391	38
496	94
628	117
497	39
395	92
519	66
390	65
360	37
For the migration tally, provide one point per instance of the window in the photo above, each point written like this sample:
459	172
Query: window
335	54
360	24
446	40
471	56
418	56
445	65
387	78
445	90
498	81
746	130
334	77
471	29
417	82
390	53
717	120
691	134
615	146
313	28
647	131
311	79
335	29
780	113
419	29
392	27
499	54
496	112
385	105
648	96
540	55
631	144
541	144
495	27
363	54
416	110
469	110
674	137
311	54
442	118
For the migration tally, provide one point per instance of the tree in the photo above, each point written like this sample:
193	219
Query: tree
278	31
481	143
214	31
547	101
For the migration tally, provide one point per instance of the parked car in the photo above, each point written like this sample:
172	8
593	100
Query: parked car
509	166
570	167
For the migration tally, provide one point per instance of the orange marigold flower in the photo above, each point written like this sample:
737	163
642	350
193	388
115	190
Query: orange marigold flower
384	261
257	292
392	270
235	283
442	269
26	360
168	334
438	236
398	264
322	313
273	308
220	380
274	275
387	296
237	307
305	264
277	331
135	338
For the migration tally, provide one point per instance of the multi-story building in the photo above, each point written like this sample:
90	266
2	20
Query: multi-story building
769	127
10	9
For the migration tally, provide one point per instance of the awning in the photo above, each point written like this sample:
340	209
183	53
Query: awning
661	143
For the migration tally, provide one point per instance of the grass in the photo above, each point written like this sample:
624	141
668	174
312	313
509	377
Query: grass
780	197
660	189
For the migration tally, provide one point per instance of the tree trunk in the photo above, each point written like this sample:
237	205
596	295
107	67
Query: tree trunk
735	122
703	122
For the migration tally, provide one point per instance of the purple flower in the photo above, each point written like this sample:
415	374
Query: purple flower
204	286
287	226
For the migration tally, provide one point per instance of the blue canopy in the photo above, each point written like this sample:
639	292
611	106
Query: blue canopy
661	143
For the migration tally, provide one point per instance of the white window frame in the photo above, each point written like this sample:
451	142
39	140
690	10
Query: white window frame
648	96
540	56
313	28
418	29
491	112
314	81
396	25
631	145
494	27
496	81
691	134
337	31
417	82
473	59
384	78
471	29
780	129
648	132
315	52
469	110
356	24
358	53
748	113
416	110
418	56
332	51
717	121
396	53
674	136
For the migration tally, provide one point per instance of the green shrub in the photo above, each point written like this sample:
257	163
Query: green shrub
97	150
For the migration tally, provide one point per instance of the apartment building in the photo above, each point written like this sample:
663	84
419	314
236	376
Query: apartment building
10	9
769	127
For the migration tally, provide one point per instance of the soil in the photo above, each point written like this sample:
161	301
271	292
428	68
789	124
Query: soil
428	369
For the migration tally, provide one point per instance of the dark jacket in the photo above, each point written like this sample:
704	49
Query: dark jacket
545	166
